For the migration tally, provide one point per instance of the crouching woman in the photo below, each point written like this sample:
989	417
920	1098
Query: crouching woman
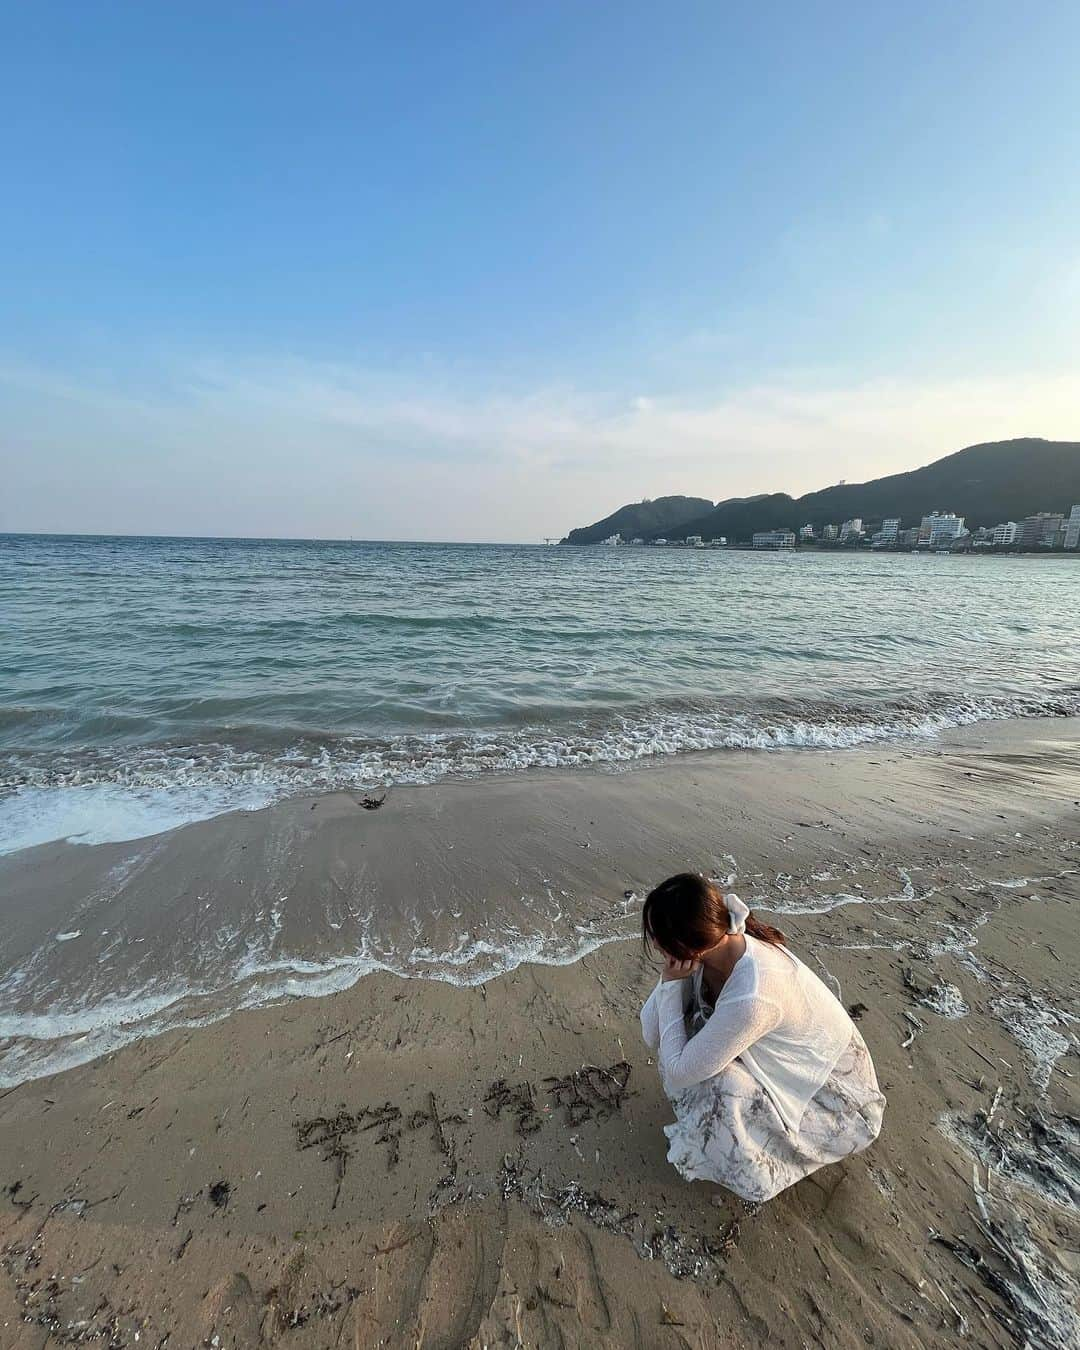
768	1075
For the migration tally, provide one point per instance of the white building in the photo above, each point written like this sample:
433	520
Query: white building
889	534
694	541
612	540
807	532
940	528
774	539
1005	533
851	529
830	532
659	541
1072	529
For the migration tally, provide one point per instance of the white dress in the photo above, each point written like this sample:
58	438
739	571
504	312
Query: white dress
772	1084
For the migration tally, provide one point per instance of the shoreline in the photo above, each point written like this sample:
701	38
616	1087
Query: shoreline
414	1162
465	880
117	794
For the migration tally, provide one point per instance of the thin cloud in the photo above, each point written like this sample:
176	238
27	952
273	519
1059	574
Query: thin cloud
471	463
884	424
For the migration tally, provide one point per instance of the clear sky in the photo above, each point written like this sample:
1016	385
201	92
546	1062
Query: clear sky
489	270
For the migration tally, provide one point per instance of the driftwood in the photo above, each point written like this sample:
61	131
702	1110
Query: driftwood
916	1027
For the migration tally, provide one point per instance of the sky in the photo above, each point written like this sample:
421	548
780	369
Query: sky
487	271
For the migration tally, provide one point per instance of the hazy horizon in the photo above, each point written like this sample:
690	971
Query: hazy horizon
484	276
348	539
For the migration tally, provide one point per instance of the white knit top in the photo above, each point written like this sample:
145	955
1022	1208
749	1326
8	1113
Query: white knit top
773	1014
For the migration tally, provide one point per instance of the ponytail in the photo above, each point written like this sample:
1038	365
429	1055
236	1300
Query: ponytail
764	932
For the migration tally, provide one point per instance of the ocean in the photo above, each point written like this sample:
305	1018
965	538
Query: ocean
147	683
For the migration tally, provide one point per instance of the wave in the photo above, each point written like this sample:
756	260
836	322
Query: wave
50	1022
127	792
37	1044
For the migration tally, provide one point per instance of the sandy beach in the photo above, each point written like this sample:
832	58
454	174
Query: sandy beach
414	1162
477	480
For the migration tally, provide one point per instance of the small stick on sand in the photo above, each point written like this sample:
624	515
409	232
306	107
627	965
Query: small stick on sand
916	1027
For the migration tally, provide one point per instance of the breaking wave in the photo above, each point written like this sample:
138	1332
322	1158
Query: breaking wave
127	792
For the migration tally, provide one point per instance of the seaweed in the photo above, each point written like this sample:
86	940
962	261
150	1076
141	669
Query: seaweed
219	1193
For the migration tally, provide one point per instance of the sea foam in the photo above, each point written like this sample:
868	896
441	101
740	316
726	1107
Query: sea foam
119	793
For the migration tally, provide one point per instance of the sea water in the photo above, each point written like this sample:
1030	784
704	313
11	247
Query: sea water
146	683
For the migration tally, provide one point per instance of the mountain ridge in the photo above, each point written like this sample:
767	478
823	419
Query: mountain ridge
647	518
986	483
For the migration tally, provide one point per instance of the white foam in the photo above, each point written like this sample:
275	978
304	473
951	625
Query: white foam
823	904
63	1038
1038	1029
102	813
1041	1156
129	1010
946	1000
132	792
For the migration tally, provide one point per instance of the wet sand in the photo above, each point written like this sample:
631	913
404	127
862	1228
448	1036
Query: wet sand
410	1162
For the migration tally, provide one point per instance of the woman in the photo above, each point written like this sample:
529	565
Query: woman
768	1075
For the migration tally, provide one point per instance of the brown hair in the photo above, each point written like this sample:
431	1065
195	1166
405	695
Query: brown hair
685	916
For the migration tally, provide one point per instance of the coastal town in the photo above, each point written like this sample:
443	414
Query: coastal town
939	532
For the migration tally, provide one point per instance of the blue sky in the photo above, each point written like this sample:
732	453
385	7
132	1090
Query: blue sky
489	270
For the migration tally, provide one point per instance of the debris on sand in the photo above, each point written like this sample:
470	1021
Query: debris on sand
1039	1152
438	1122
299	1297
219	1193
556	1205
13	1192
916	1027
1023	1276
1039	1155
686	1256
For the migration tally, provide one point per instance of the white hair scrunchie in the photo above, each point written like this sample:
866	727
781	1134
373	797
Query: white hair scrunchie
738	913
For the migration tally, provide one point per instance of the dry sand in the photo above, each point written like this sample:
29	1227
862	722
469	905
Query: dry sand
408	1163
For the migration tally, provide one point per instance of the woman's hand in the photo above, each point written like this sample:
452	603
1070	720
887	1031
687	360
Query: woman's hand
677	970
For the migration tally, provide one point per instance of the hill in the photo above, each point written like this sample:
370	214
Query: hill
646	519
1001	480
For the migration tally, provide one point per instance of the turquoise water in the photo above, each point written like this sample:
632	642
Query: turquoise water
148	682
